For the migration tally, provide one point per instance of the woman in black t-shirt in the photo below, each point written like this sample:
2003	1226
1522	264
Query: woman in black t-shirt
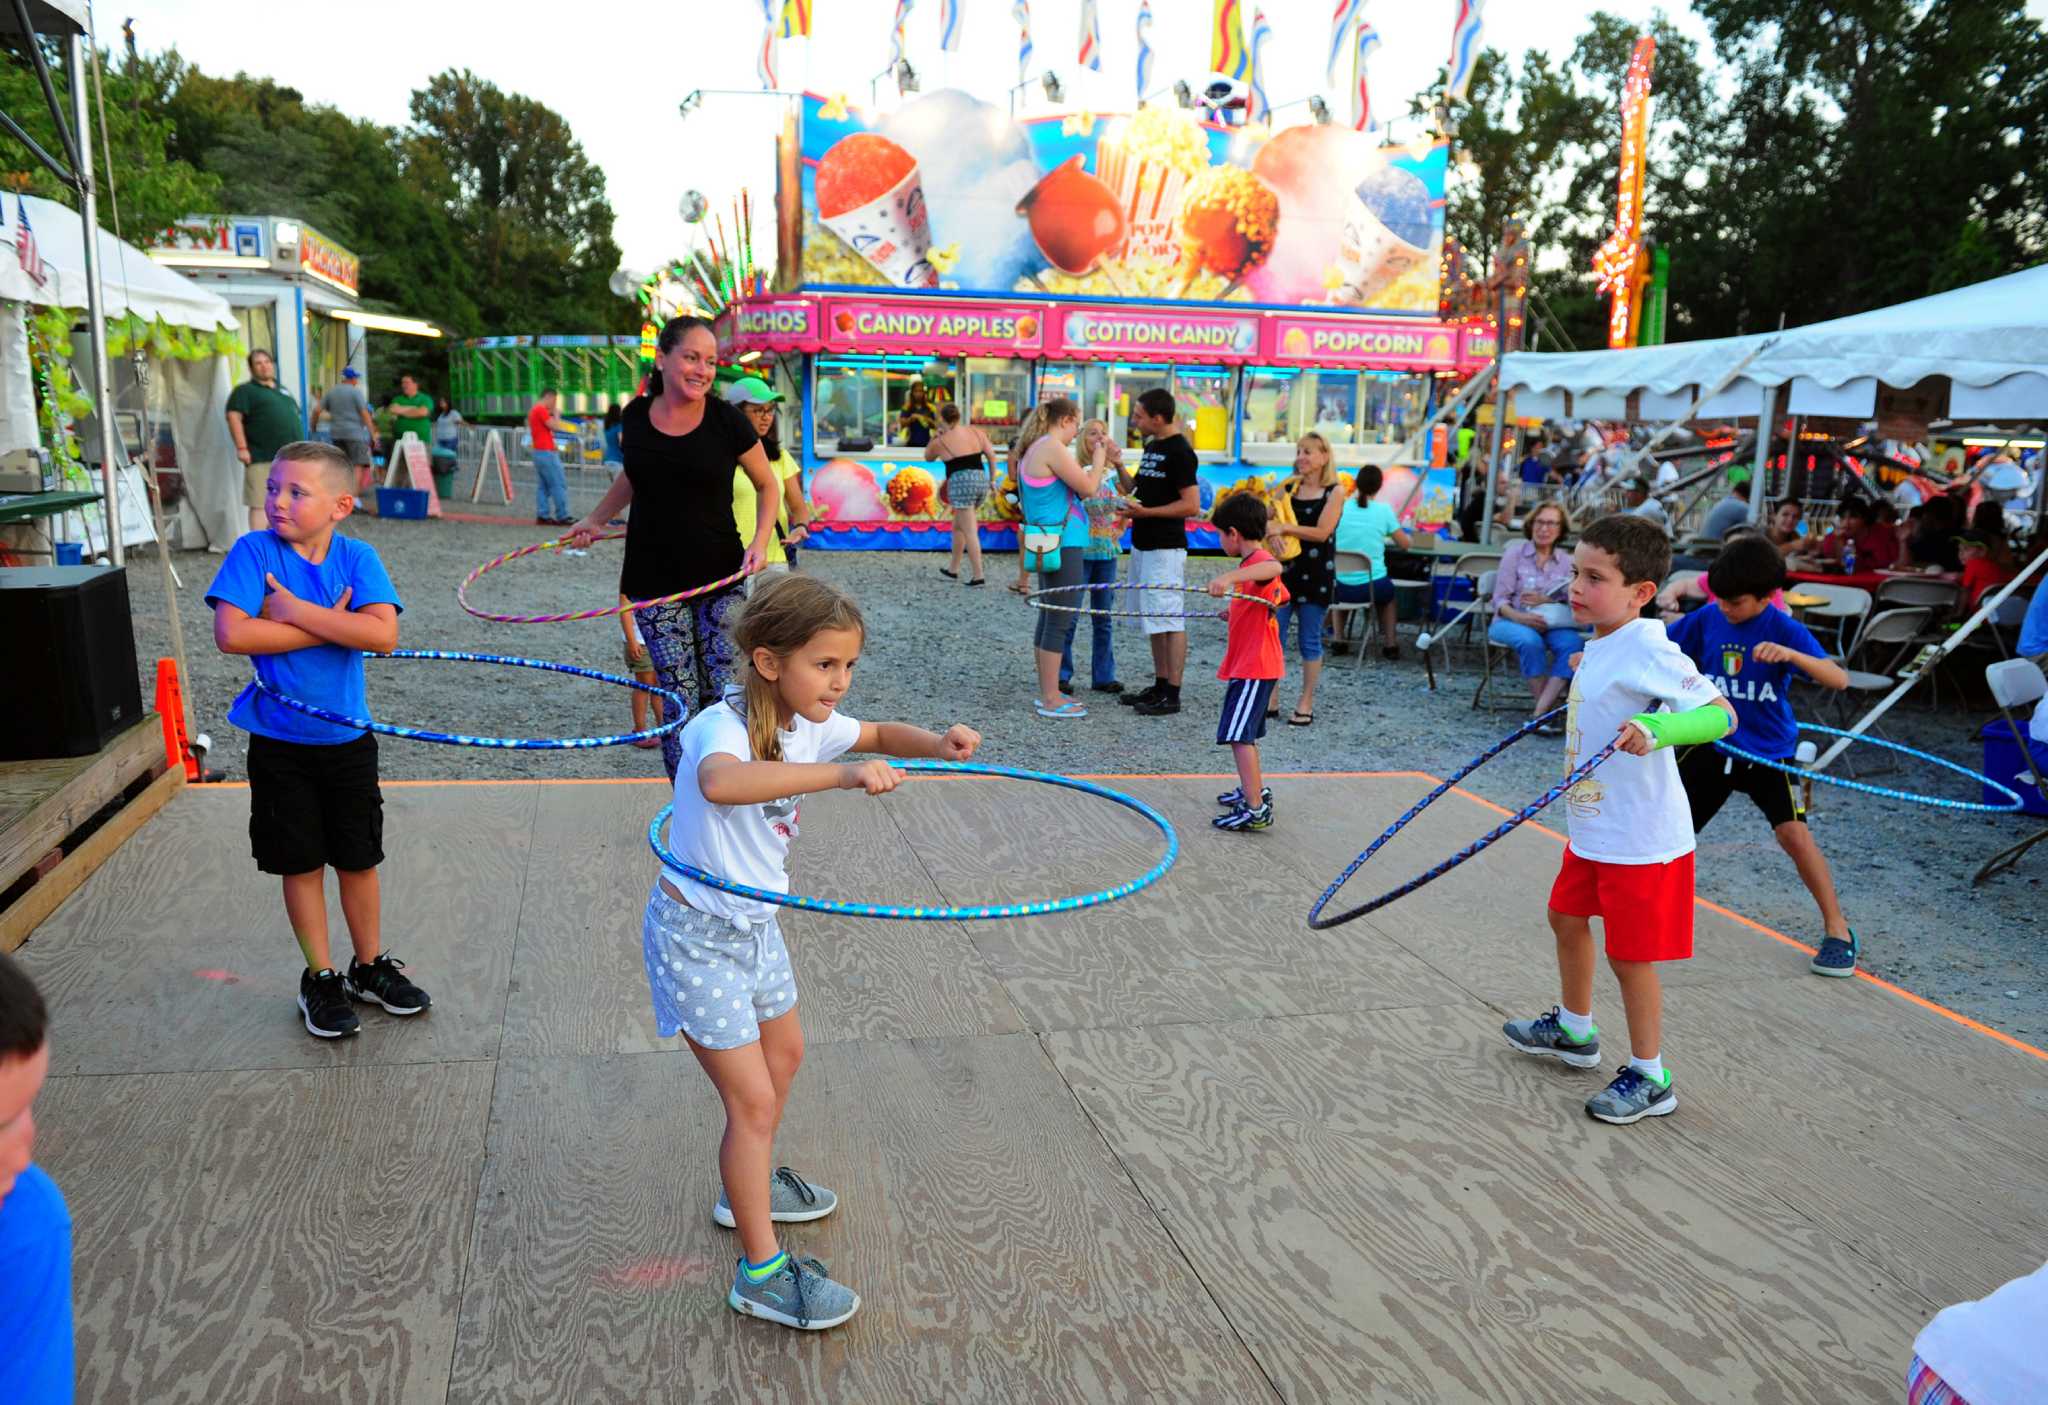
681	444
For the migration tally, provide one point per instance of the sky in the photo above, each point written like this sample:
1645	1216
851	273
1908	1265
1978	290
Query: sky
595	64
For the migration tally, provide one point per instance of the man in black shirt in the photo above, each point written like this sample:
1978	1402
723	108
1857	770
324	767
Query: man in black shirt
1167	495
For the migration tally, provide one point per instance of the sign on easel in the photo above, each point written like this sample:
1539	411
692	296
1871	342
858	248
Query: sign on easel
419	469
494	453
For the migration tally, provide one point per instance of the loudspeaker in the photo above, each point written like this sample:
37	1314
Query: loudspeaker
69	685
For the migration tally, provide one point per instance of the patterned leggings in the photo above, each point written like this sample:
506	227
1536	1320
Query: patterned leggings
693	655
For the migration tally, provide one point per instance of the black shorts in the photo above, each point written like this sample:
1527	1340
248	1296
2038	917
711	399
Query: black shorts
315	806
1712	775
1244	710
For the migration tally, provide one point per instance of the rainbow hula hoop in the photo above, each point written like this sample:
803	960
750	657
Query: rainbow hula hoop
1316	920
462	592
422	734
1035	601
1792	769
1035	908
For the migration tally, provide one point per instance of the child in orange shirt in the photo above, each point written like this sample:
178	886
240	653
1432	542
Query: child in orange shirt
1252	664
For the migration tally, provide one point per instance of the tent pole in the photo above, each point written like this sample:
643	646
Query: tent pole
1931	658
96	297
1766	424
1500	427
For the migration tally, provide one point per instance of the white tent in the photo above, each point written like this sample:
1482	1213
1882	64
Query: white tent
191	394
1974	353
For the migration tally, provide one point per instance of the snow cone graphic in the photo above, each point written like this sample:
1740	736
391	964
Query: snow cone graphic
870	195
1386	233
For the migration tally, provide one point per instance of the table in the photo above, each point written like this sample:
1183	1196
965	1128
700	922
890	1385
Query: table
21	507
1866	580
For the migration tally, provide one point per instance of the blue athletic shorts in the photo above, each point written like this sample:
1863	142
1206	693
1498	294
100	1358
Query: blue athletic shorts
1245	701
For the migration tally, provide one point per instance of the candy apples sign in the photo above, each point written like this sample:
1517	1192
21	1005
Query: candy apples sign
1122	332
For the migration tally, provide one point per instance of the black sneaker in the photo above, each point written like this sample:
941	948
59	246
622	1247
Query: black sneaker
1243	818
1160	705
324	1004
1233	798
1133	699
1112	686
381	982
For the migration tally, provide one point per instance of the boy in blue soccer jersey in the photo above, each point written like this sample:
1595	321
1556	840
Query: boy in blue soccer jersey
305	605
1750	651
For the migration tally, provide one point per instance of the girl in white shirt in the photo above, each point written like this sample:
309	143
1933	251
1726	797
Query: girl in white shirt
716	963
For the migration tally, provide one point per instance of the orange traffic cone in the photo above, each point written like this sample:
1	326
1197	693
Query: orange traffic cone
170	706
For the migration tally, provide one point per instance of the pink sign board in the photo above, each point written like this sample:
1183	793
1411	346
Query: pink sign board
778	321
927	326
1482	344
1362	341
1153	334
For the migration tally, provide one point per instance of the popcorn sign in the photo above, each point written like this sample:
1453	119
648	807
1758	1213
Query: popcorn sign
1353	341
1142	333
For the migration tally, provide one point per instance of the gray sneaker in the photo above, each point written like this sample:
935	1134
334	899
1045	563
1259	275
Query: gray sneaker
1545	1037
791	1200
799	1294
1632	1096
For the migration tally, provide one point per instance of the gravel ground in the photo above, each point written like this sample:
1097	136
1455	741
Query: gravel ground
937	653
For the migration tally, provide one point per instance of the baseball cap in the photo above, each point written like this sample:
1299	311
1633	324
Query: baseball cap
349	373
752	390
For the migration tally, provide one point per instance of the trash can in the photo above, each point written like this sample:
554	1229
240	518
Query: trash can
2004	763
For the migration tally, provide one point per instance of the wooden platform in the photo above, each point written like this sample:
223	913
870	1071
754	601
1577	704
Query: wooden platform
44	806
1176	1148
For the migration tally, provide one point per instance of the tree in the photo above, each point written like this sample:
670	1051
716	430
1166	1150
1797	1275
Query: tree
530	205
147	180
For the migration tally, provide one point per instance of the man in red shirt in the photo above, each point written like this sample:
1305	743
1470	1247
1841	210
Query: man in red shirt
1251	658
1877	548
552	491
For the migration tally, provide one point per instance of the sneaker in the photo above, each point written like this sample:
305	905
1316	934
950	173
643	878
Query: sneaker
791	1200
800	1294
1159	705
1233	799
1632	1096
1244	817
1112	686
1545	1037
1133	699
1836	957
381	983
324	1004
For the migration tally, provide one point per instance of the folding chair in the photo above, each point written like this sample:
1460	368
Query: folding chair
1843	615
2017	684
1484	617
1351	563
1942	597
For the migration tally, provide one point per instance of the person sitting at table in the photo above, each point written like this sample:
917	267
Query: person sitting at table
1987	556
1530	613
1783	530
1934	544
1875	548
1728	514
1364	528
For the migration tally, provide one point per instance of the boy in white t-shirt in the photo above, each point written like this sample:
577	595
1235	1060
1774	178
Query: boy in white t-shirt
1629	861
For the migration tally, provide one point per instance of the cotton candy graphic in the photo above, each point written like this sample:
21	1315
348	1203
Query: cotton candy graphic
976	164
846	491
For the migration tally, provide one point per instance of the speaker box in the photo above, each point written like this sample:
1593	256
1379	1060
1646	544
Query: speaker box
70	684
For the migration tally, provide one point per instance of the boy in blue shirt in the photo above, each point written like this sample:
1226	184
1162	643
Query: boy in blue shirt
1751	651
35	1227
306	605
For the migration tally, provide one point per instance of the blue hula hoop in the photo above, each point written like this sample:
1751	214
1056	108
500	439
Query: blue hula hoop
1792	769
422	734
1035	908
1316	920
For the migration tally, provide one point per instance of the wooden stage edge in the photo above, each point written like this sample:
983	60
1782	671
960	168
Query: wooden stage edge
44	803
1731	914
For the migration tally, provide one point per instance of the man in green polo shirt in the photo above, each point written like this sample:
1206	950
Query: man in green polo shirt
412	409
262	419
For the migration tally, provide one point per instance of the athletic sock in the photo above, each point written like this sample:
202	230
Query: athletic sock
1579	1027
1652	1069
1171	690
763	1271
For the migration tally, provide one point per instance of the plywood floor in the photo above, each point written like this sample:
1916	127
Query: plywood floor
1177	1148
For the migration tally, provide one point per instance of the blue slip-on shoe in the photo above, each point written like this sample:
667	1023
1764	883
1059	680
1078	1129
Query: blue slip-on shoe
1836	957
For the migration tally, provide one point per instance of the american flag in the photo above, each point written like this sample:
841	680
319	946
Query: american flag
25	245
1261	108
1091	37
1340	27
1144	47
1464	48
1361	97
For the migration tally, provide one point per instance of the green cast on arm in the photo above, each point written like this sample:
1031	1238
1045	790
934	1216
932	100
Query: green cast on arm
1695	728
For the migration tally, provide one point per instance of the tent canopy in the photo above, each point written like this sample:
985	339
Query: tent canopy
1985	345
50	17
134	281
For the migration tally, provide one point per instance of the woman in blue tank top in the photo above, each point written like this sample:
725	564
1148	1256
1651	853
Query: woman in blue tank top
1051	486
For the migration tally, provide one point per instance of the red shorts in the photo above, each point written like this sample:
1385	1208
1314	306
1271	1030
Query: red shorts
1645	908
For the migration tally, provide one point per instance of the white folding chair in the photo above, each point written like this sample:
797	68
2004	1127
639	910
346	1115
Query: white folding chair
1352	563
2017	685
1483	617
1842	614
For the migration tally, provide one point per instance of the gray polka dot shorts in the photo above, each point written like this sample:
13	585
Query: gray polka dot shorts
713	981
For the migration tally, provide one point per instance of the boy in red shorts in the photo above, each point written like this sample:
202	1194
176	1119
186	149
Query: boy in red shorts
1629	861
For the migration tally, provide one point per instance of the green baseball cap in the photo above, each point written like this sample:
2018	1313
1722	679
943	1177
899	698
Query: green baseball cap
752	390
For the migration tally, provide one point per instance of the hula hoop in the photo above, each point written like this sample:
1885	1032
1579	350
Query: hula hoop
1034	908
1316	920
462	591
422	734
1036	603
1884	790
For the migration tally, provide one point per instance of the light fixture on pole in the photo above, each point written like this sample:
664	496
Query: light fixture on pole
1320	110
692	100
1183	93
1053	91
